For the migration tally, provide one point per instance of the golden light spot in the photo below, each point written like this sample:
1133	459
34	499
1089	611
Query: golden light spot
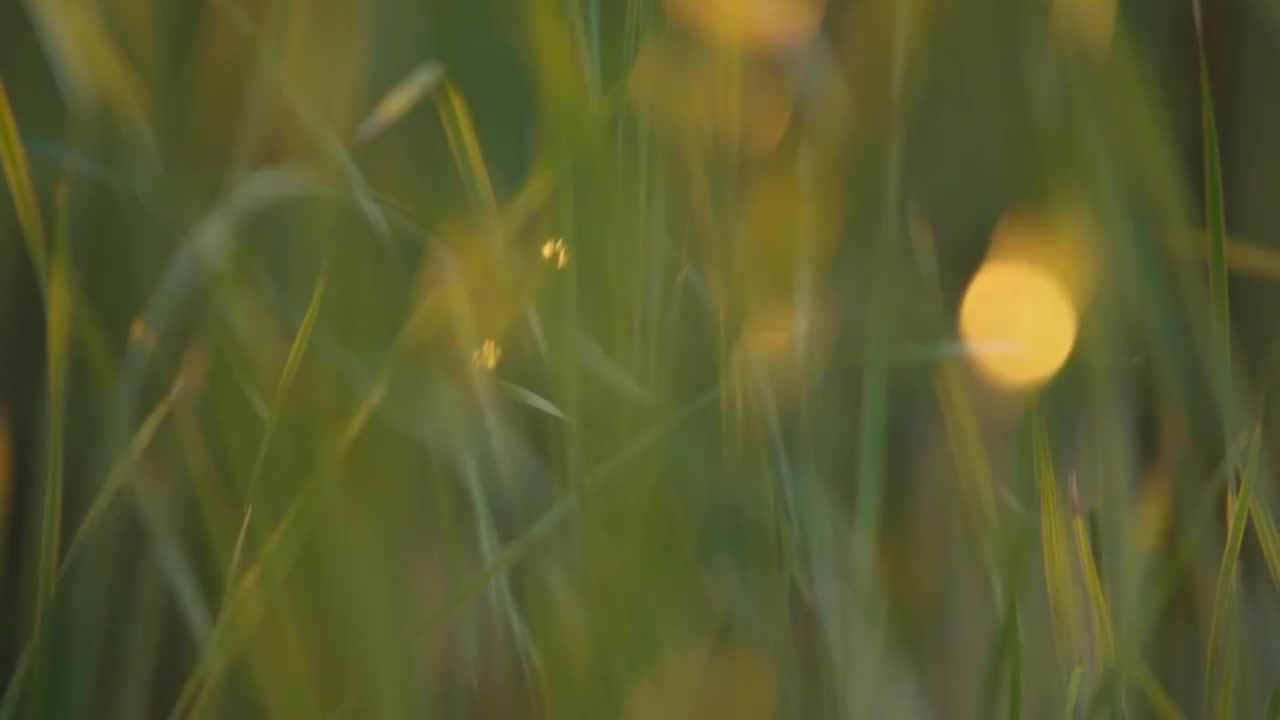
487	355
1018	321
556	250
773	25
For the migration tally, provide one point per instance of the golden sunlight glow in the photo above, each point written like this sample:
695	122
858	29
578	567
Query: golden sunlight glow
753	24
1018	321
487	355
556	251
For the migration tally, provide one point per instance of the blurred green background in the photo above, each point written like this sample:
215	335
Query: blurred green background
629	358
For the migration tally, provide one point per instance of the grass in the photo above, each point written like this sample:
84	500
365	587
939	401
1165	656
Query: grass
585	359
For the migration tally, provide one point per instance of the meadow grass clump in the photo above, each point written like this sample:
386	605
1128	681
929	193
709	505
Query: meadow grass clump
644	359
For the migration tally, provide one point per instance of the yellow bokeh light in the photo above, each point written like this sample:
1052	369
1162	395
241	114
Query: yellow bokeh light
487	355
1018	322
555	250
762	25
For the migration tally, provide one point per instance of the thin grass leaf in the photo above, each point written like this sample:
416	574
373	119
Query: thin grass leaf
501	588
969	456
532	399
93	70
13	161
1073	692
331	143
301	341
1161	704
1223	592
1053	537
466	152
58	321
1268	537
1215	217
787	521
116	479
1001	647
595	361
1228	678
400	99
596	481
1092	580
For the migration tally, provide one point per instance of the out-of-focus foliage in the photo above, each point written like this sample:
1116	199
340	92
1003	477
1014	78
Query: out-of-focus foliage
639	359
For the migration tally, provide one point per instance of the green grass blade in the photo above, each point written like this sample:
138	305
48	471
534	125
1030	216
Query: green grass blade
1001	648
596	481
59	296
1223	591
1092	580
400	99
1268	537
531	399
1053	538
13	160
301	340
1073	693
1215	216
1161	704
116	480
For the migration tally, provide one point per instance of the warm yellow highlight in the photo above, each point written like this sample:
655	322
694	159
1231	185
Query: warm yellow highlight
774	25
487	355
1018	321
555	250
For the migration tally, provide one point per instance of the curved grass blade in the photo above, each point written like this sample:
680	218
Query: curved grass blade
59	303
517	549
1053	534
1099	612
532	399
1073	692
301	340
117	478
1268	537
1223	591
400	99
13	161
1215	216
329	141
1001	655
1161	704
466	152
